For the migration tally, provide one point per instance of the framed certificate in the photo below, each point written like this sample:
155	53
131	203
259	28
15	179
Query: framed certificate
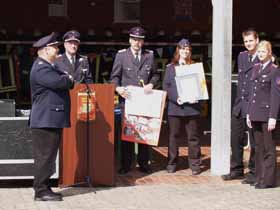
191	83
188	87
143	115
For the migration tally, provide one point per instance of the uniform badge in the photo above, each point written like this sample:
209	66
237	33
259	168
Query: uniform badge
148	67
264	76
40	63
278	80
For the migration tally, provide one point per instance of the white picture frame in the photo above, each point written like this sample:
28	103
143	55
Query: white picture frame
188	87
191	83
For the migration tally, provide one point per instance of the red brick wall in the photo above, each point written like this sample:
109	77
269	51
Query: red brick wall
155	14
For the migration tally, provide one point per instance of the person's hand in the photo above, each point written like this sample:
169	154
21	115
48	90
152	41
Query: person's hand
179	101
271	124
148	88
123	92
248	121
71	77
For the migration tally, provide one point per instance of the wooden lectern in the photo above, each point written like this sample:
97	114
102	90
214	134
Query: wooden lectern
73	154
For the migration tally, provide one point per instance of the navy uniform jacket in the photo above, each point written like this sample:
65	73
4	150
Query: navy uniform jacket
50	96
127	72
174	109
264	100
80	71
245	69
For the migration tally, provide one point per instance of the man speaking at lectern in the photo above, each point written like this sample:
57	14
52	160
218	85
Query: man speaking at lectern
50	113
134	66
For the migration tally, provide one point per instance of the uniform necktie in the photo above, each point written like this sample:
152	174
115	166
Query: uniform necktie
137	60
73	61
261	67
250	58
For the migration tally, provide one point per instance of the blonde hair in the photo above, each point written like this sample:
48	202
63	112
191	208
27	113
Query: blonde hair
265	44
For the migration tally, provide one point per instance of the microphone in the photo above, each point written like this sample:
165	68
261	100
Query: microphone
84	68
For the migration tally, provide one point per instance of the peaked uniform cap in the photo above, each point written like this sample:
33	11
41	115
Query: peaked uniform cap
184	43
71	36
47	41
137	32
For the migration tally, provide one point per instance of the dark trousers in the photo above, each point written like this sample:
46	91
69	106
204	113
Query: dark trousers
45	146
190	126
127	153
238	135
265	154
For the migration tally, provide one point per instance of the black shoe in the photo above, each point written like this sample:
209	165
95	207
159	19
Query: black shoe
232	176
196	172
171	168
250	176
55	193
145	169
123	171
248	181
263	186
47	196
254	184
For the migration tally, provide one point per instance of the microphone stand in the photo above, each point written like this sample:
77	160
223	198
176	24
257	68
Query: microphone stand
88	91
88	180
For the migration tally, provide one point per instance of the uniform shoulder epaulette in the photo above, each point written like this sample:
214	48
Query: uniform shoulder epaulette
149	51
122	50
243	52
257	64
168	64
59	57
41	65
83	56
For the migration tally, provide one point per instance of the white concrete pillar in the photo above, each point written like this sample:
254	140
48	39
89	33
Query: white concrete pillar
221	86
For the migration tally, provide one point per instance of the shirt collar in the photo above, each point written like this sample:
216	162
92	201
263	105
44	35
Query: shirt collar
254	56
70	56
182	62
265	64
134	53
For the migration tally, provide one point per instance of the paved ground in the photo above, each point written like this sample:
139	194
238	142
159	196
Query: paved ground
158	191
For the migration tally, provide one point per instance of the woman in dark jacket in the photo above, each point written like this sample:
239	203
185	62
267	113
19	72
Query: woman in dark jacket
263	108
181	114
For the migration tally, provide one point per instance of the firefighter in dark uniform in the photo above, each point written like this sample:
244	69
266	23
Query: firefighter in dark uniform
263	110
181	114
50	113
75	64
131	66
246	61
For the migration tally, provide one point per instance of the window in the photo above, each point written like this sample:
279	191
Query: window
127	11
57	8
183	9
